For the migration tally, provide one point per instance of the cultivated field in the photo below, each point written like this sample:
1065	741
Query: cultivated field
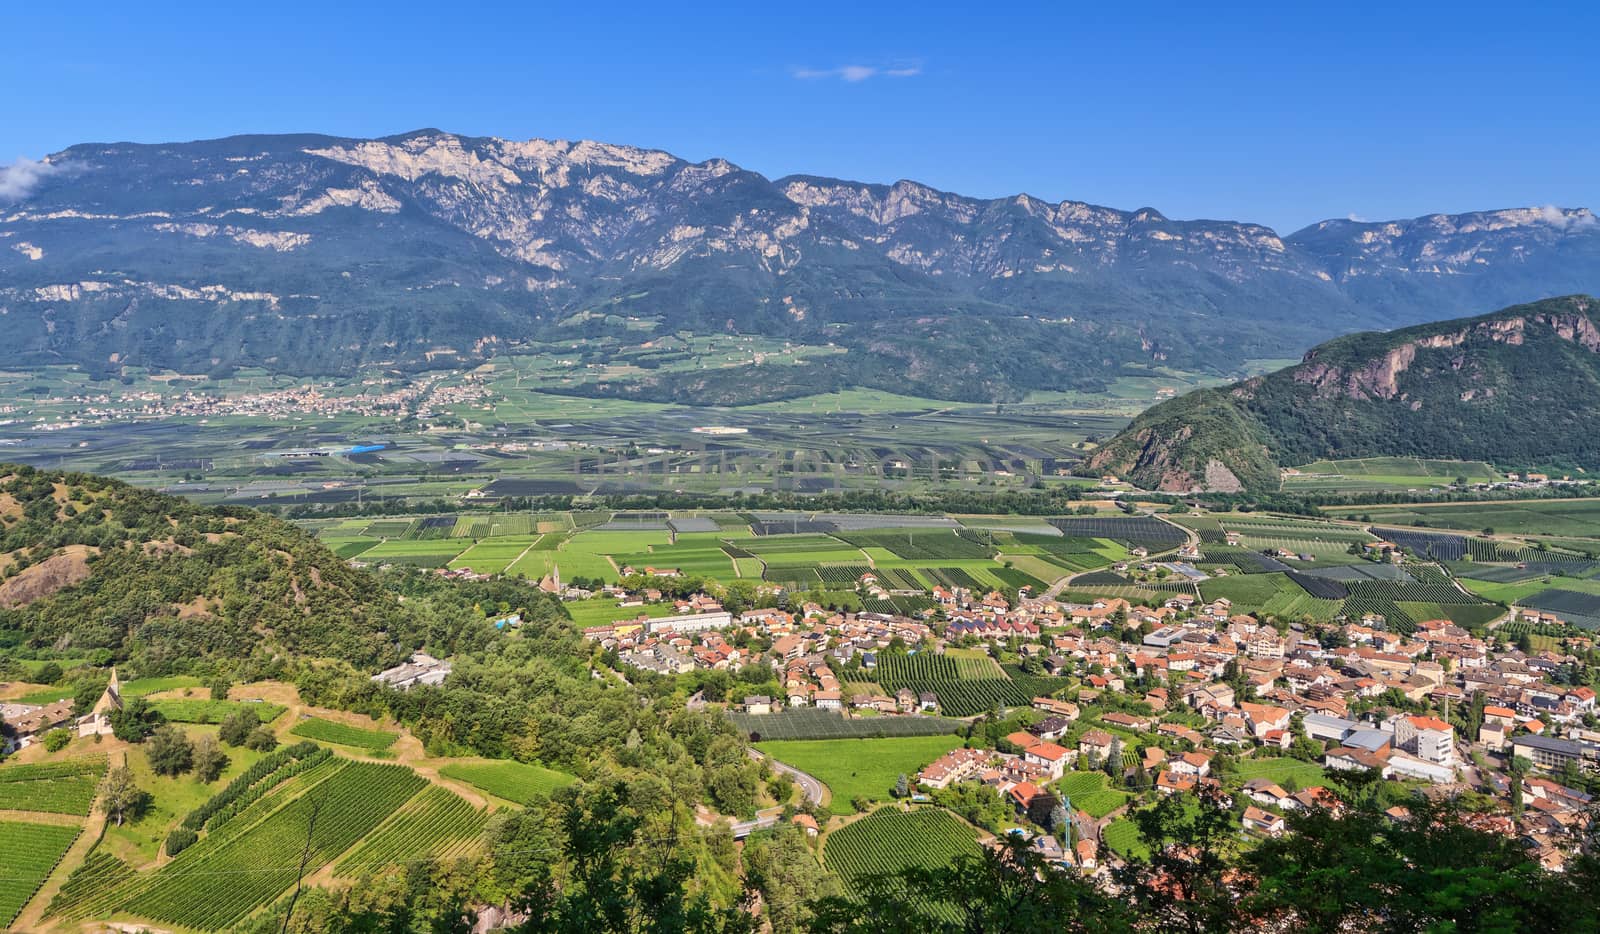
517	782
866	768
891	841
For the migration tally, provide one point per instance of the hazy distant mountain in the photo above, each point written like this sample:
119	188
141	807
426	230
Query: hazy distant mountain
314	254
1519	388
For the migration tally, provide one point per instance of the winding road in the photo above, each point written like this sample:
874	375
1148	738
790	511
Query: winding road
815	791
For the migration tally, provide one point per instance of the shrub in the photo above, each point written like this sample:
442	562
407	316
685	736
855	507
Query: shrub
179	840
57	740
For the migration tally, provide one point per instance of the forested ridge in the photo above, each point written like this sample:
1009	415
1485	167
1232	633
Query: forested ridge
1518	387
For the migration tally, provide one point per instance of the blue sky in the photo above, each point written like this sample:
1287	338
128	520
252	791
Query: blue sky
1281	113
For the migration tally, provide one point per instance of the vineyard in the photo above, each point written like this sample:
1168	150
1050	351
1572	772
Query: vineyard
964	689
1088	793
890	841
98	873
66	787
227	875
513	781
920	545
327	731
436	824
28	854
812	723
1142	530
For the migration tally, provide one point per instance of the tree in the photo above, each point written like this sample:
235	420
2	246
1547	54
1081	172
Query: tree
261	740
1428	871
48	673
1008	888
902	787
237	726
220	685
57	740
781	867
169	751
135	721
1114	761
120	798
209	759
1186	883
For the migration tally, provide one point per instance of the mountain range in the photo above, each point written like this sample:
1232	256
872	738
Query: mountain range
1518	387
318	255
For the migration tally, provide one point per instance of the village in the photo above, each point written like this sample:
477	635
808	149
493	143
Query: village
1180	697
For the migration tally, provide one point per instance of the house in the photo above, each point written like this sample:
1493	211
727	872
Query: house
1051	728
927	700
1265	791
1192	764
1049	755
27	723
758	703
1022	795
1066	710
806	823
1262	821
1096	744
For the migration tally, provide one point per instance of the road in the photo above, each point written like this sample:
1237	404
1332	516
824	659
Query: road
815	791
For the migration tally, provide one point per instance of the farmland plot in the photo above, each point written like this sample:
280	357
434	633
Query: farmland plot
436	824
891	841
28	854
66	787
221	879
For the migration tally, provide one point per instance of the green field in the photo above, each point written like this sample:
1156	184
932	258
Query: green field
1089	792
891	841
62	787
1281	770
1385	473
1508	593
517	782
28	854
436	824
1571	517
138	687
1466	615
811	723
194	710
1252	590
327	731
965	687
493	555
865	768
598	611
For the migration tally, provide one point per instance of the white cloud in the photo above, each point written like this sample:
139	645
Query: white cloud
20	178
1560	219
857	73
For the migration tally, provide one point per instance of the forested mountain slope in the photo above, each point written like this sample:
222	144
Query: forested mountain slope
91	563
1520	386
